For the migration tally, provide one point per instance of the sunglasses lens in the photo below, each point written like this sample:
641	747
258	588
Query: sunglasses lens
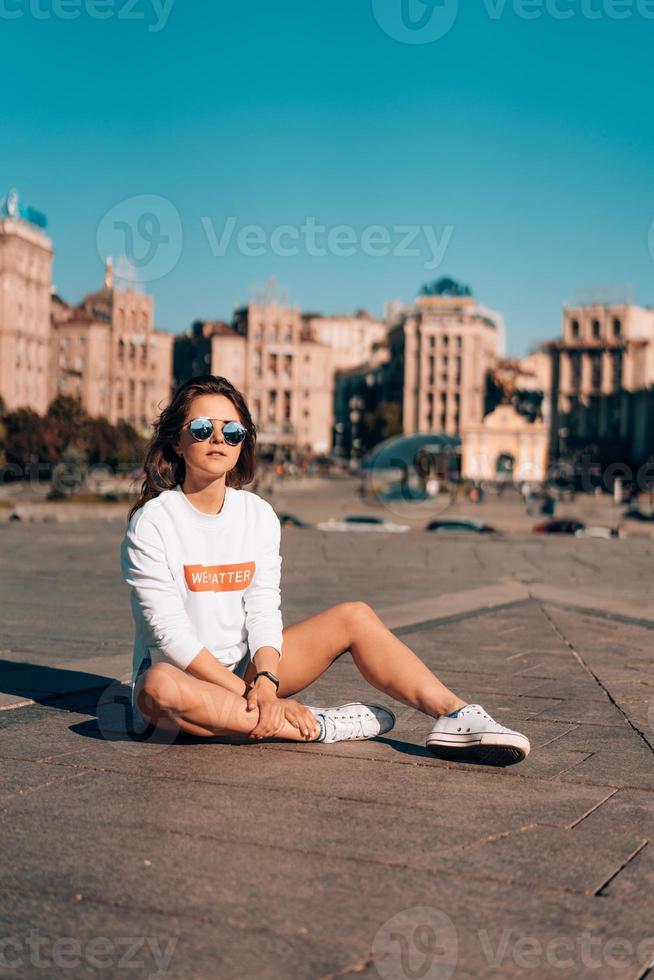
201	428
234	433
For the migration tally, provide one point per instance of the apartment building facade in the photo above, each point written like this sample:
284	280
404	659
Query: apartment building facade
25	290
284	371
603	383
351	338
107	354
441	351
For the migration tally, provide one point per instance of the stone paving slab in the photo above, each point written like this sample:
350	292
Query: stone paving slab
372	858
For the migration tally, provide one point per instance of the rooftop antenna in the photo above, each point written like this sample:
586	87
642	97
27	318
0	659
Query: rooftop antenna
604	294
266	294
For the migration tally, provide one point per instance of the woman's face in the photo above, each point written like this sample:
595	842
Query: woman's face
213	457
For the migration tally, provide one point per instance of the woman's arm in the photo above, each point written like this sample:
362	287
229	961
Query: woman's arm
146	571
206	667
262	598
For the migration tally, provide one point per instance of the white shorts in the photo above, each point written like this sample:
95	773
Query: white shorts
141	724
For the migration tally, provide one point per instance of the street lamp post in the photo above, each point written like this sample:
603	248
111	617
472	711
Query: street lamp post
356	404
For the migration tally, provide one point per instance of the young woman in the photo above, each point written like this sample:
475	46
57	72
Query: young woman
211	656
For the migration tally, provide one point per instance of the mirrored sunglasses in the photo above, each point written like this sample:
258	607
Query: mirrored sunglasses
202	429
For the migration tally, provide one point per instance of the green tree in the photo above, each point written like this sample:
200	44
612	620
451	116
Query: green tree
71	419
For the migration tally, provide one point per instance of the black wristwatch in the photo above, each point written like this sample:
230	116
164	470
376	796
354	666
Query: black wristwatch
267	673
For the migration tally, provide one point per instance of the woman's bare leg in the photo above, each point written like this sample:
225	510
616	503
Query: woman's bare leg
311	646
174	700
171	697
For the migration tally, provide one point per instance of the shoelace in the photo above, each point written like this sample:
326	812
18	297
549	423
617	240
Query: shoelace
347	727
469	711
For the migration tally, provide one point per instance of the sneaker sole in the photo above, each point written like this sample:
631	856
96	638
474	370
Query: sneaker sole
491	750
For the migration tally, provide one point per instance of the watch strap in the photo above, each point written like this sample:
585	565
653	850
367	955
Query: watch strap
267	673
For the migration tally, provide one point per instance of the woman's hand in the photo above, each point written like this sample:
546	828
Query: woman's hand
263	697
300	716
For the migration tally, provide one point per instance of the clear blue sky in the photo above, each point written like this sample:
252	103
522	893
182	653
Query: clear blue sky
531	140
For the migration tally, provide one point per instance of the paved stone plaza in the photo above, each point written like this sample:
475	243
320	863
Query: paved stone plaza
374	859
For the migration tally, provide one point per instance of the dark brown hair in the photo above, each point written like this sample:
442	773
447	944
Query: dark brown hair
164	468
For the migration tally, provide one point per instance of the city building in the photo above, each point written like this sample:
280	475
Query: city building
351	338
441	350
603	384
505	445
192	351
284	371
364	410
25	290
107	354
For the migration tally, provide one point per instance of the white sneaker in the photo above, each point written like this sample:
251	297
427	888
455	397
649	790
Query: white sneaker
354	721
473	736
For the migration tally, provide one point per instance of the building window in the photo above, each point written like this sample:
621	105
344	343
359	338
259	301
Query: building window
617	328
617	370
574	329
432	341
596	371
597	330
459	343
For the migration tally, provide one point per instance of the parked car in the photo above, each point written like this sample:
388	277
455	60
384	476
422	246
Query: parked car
361	522
599	531
291	519
634	514
559	525
467	526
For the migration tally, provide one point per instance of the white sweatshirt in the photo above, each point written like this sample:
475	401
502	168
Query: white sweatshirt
203	580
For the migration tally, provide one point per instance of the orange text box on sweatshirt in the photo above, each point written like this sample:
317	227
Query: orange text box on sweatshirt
219	578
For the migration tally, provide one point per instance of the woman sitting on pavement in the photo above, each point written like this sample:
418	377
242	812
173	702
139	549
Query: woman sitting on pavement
211	657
